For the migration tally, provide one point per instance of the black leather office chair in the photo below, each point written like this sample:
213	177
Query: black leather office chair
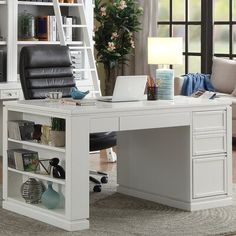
46	68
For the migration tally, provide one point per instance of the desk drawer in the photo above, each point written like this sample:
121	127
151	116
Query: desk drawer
209	176
209	121
104	124
154	121
209	143
10	94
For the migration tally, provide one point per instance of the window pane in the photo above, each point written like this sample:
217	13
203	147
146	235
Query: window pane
194	10
163	31
234	39
178	10
194	64
194	34
179	31
221	39
164	10
179	69
221	10
234	9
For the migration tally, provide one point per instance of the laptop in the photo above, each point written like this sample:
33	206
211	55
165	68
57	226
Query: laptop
127	89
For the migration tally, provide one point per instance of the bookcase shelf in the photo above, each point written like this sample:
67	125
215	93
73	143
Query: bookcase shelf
18	201
46	42
37	42
38	145
38	176
3	43
3	2
48	4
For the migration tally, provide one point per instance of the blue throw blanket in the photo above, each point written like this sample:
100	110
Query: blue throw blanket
194	82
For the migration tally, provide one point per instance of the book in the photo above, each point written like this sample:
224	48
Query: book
76	102
53	28
204	94
21	129
23	159
42	28
68	29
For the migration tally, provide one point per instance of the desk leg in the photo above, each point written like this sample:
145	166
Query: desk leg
77	173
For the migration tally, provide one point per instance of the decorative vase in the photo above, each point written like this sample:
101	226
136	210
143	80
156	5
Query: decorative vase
110	79
57	138
50	198
26	26
32	190
45	137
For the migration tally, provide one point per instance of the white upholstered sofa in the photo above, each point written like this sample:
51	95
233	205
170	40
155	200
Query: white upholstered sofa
223	79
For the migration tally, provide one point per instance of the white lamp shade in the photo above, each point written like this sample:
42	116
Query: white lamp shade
165	51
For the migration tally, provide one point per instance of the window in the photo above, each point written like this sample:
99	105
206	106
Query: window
182	18
207	26
224	29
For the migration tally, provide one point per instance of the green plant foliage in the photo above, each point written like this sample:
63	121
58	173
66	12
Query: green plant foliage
58	124
117	20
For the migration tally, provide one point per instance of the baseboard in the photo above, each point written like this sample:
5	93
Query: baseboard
202	204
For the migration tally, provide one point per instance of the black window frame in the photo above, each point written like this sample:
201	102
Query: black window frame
207	24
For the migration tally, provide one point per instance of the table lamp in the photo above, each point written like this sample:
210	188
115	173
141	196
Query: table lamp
165	51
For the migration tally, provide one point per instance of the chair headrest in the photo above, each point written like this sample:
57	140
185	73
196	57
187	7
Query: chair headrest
41	56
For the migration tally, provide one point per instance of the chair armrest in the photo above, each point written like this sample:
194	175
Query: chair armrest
178	83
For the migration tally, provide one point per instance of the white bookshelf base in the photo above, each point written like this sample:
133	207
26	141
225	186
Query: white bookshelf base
52	219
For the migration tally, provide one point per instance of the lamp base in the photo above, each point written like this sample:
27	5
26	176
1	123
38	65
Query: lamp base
165	78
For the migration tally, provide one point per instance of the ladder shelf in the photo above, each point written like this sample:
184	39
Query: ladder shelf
77	50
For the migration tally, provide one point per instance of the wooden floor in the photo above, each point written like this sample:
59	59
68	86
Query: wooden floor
101	164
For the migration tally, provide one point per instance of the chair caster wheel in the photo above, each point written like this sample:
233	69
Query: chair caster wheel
97	188
104	179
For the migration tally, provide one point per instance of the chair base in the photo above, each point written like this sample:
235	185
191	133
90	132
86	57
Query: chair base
98	184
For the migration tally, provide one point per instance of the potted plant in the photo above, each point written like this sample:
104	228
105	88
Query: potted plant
58	132
116	23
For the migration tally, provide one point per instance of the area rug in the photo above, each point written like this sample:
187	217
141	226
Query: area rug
113	214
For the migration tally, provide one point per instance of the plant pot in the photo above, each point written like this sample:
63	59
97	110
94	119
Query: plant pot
61	1
110	78
58	138
70	1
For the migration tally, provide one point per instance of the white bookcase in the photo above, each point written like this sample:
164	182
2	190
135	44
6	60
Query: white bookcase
15	178
9	12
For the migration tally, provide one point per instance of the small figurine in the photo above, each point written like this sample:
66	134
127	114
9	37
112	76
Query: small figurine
76	94
57	171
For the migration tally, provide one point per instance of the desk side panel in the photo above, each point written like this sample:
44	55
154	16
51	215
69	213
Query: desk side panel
156	161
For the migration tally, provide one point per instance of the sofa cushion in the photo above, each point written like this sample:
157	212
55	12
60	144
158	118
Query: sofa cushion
223	76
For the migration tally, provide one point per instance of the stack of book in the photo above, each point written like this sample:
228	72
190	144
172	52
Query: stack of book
46	28
22	159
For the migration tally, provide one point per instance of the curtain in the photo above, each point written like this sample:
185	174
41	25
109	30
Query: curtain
138	64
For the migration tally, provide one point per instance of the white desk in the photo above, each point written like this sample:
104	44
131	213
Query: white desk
176	153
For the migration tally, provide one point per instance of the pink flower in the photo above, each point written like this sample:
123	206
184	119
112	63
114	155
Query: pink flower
111	46
122	5
114	35
103	11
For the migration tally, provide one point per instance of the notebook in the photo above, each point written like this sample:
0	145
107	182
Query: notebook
127	88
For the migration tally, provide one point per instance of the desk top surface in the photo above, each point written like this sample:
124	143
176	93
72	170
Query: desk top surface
104	107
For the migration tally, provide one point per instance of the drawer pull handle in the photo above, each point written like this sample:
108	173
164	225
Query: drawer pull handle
10	94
